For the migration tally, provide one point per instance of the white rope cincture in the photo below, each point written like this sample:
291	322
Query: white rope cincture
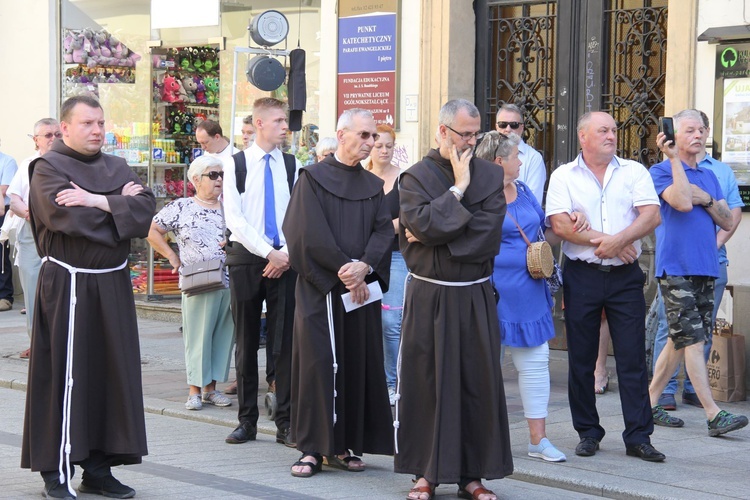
396	422
65	445
329	306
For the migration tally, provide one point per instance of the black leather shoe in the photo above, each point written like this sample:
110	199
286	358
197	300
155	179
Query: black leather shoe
283	436
645	452
691	398
243	433
106	486
587	447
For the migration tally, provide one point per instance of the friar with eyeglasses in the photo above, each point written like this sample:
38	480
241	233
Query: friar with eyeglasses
340	232
451	418
84	403
533	172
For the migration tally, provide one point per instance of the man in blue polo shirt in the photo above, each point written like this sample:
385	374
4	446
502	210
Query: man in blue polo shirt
687	265
729	189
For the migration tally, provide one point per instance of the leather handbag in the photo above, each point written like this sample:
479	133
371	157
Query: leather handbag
207	275
204	276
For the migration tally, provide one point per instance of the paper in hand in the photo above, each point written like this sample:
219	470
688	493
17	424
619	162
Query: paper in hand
376	293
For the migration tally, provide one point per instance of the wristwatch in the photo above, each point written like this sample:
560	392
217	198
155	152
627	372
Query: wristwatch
710	203
456	191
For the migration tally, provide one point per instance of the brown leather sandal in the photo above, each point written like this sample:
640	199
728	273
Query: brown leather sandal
420	490
481	490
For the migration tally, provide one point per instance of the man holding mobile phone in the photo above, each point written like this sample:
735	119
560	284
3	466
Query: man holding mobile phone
687	265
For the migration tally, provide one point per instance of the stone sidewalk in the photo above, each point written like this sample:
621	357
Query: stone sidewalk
189	459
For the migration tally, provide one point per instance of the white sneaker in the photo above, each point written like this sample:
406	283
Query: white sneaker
216	398
193	402
546	451
392	395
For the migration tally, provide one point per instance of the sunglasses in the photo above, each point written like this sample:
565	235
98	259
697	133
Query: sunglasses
366	135
49	135
214	175
513	125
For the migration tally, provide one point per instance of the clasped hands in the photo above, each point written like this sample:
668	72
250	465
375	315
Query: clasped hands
352	275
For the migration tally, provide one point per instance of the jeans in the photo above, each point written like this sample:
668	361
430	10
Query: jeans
6	267
393	302
663	331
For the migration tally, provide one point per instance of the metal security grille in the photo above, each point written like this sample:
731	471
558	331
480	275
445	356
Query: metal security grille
522	68
635	65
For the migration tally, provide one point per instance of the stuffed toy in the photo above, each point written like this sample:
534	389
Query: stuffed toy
190	87
200	90
170	89
212	90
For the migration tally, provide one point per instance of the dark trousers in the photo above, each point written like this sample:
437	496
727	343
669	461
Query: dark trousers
619	293
249	289
97	465
6	267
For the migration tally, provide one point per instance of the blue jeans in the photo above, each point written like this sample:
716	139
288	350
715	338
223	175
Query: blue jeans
663	330
393	303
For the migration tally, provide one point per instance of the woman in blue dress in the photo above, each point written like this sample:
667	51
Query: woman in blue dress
525	305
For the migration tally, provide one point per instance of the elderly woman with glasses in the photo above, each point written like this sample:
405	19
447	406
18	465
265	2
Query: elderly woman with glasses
207	326
525	305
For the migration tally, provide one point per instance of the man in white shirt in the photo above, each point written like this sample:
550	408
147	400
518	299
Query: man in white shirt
8	169
209	135
602	273
248	131
28	261
257	187
533	171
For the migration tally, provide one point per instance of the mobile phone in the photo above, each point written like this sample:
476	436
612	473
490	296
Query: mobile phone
666	125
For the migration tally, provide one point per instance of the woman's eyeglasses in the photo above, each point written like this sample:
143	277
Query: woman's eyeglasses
513	125
214	175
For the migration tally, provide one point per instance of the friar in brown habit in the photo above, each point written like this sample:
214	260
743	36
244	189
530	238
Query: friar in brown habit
84	403
452	422
339	234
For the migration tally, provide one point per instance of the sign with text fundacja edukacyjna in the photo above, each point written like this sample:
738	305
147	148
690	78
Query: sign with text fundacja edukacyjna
367	58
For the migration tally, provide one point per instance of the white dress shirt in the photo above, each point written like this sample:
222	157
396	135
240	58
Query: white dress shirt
245	214
533	172
20	183
573	187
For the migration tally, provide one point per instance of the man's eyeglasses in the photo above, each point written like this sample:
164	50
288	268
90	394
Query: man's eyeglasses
213	175
366	135
466	135
49	135
513	125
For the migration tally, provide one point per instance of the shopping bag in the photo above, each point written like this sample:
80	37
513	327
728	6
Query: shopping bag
726	368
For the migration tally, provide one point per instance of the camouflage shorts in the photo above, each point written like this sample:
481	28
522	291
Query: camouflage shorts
689	304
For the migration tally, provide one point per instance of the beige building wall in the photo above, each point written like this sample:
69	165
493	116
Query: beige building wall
29	85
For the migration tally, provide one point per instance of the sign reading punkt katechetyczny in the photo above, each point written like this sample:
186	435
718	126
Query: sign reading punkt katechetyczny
367	58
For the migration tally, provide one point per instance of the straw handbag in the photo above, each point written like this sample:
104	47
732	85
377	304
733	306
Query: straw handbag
539	259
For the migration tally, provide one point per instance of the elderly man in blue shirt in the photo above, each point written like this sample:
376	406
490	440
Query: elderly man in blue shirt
687	265
731	192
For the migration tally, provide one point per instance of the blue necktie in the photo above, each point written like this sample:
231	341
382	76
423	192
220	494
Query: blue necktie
272	231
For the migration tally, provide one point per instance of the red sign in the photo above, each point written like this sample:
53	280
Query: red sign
372	91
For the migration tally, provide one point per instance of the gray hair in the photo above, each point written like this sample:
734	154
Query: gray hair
686	114
45	121
496	145
451	108
509	107
346	120
201	164
326	145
